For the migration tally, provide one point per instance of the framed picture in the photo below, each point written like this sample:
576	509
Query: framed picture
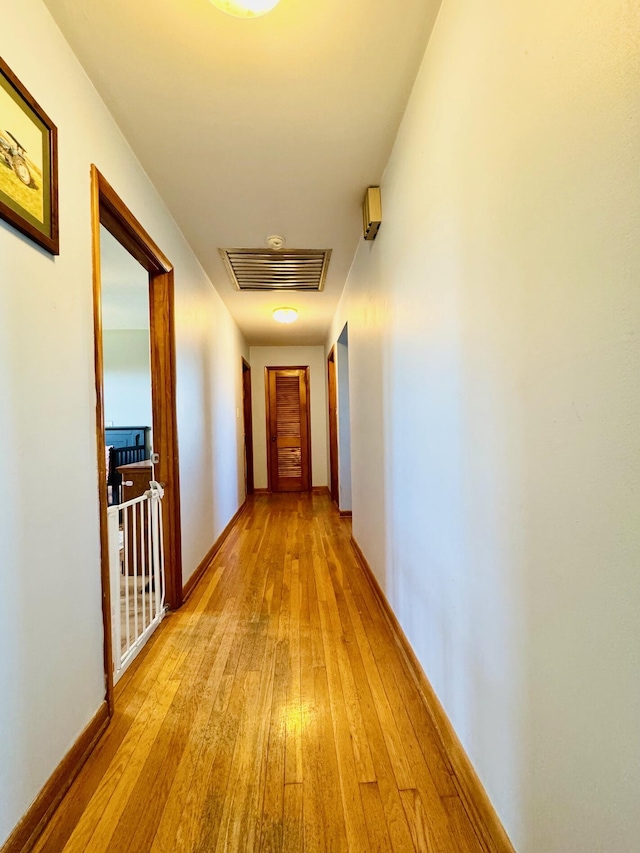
28	164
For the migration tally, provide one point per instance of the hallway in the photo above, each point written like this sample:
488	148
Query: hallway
273	712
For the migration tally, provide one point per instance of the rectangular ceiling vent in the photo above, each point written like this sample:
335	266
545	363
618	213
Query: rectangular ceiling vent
277	269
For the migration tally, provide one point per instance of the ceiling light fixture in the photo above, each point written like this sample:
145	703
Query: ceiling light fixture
285	315
246	8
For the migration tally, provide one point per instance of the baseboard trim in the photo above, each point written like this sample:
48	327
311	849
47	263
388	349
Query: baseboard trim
206	561
346	513
316	490
25	835
474	798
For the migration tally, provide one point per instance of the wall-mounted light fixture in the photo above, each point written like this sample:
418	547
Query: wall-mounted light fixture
246	8
285	315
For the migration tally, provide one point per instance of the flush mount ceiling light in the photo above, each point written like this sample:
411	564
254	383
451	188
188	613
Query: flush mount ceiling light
246	8
285	315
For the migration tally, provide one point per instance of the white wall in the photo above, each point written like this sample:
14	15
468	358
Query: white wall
127	377
494	346
313	357
51	669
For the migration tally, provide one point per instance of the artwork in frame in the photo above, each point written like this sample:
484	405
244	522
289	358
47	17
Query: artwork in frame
28	164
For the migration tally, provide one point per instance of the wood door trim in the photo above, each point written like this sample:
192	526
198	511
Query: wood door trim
118	219
102	462
165	425
247	414
334	476
304	367
108	209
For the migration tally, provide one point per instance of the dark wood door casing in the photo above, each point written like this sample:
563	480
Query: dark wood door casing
288	429
333	426
108	209
248	425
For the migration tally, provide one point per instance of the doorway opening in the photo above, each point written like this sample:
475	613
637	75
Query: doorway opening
333	427
138	478
288	429
248	427
344	423
136	570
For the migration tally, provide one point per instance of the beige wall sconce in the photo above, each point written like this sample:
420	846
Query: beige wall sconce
372	213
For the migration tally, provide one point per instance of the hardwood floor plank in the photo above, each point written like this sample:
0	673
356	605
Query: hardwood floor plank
387	786
356	829
313	818
274	712
180	735
237	830
200	833
399	683
197	740
327	768
377	832
462	831
293	825
236	724
425	770
317	646
293	716
417	820
395	747
276	652
271	829
340	629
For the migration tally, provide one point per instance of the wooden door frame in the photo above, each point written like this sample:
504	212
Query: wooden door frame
108	209
304	367
247	414
333	427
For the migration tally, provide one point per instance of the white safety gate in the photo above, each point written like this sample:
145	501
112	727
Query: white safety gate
136	570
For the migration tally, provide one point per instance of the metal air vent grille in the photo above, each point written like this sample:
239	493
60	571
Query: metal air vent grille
284	269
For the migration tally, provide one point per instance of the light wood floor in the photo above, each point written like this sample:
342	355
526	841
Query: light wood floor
273	712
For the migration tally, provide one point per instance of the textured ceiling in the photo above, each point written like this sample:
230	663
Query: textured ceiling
251	128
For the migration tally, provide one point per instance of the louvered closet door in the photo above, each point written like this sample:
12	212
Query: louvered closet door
288	437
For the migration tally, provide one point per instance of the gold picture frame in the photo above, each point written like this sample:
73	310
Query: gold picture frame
28	164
